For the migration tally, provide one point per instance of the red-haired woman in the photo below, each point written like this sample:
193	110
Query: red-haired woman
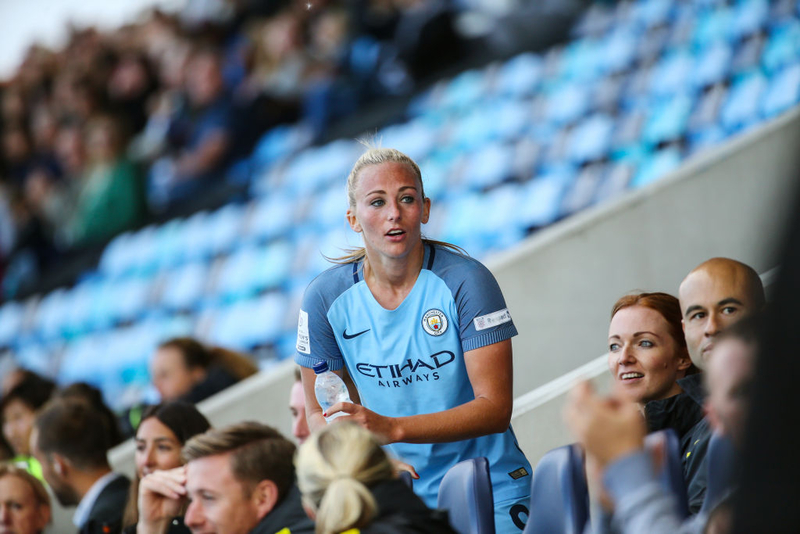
648	358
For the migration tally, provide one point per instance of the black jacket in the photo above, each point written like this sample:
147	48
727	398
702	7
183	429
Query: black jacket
400	510
684	414
105	517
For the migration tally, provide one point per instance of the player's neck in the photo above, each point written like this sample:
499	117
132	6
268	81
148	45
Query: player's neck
391	279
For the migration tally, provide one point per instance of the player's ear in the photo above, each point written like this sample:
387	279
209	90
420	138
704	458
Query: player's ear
352	220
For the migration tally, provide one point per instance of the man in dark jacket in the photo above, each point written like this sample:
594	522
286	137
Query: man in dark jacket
70	439
714	295
239	479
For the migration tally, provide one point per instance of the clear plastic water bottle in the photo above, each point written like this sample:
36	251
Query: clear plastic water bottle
329	389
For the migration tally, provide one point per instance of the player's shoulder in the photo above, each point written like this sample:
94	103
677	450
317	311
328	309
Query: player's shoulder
451	265
329	284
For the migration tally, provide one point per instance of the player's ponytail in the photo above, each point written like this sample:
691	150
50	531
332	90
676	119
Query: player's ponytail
335	469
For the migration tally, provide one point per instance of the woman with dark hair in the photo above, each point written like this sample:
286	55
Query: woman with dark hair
648	358
185	369
18	410
163	431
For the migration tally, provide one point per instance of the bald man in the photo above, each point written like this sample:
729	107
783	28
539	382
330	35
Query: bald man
716	294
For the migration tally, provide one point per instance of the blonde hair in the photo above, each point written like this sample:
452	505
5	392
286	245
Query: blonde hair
376	155
39	493
335	468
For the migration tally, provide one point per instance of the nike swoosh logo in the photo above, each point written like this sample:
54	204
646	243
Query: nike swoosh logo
348	336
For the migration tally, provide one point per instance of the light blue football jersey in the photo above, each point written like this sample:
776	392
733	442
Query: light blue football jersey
410	360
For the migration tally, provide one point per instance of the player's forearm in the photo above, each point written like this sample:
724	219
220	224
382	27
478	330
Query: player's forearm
476	418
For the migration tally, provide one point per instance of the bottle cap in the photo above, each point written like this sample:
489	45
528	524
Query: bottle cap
320	367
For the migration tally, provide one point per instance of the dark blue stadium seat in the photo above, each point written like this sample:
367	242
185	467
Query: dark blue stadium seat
720	460
669	467
559	495
466	493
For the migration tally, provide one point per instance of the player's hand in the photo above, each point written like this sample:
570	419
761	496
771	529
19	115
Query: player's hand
607	427
386	428
402	466
161	497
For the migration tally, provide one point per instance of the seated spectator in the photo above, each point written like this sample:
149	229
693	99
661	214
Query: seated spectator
200	134
184	369
647	351
613	433
239	480
18	409
24	503
649	360
92	396
70	440
297	407
110	197
163	431
348	482
716	294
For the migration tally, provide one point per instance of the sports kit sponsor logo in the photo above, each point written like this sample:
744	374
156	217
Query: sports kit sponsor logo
434	322
303	340
492	319
399	375
351	336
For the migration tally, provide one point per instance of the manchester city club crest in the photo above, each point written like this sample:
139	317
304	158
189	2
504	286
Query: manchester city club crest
434	322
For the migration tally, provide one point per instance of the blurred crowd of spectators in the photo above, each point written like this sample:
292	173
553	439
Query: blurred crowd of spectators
117	126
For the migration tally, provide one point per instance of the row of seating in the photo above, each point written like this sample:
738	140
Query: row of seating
559	491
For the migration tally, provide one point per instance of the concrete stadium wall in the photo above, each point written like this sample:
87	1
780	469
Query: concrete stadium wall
561	283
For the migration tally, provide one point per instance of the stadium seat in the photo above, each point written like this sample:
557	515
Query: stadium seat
670	472
591	139
185	286
559	494
742	107
519	76
720	459
657	165
541	197
783	91
11	320
466	493
712	65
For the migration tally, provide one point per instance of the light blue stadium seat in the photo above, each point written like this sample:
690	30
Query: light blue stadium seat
272	217
329	207
619	50
11	322
750	17
488	166
466	493
415	138
116	259
706	138
783	91
582	61
185	286
167	249
465	90
673	74
651	13
713	65
657	165
596	20
473	129
35	357
669	120
250	323
252	269
194	235
591	139
436	173
281	142
512	118
567	103
583	190
714	25
519	76
559	494
742	107
615	181
498	226
782	47
541	197
225	227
